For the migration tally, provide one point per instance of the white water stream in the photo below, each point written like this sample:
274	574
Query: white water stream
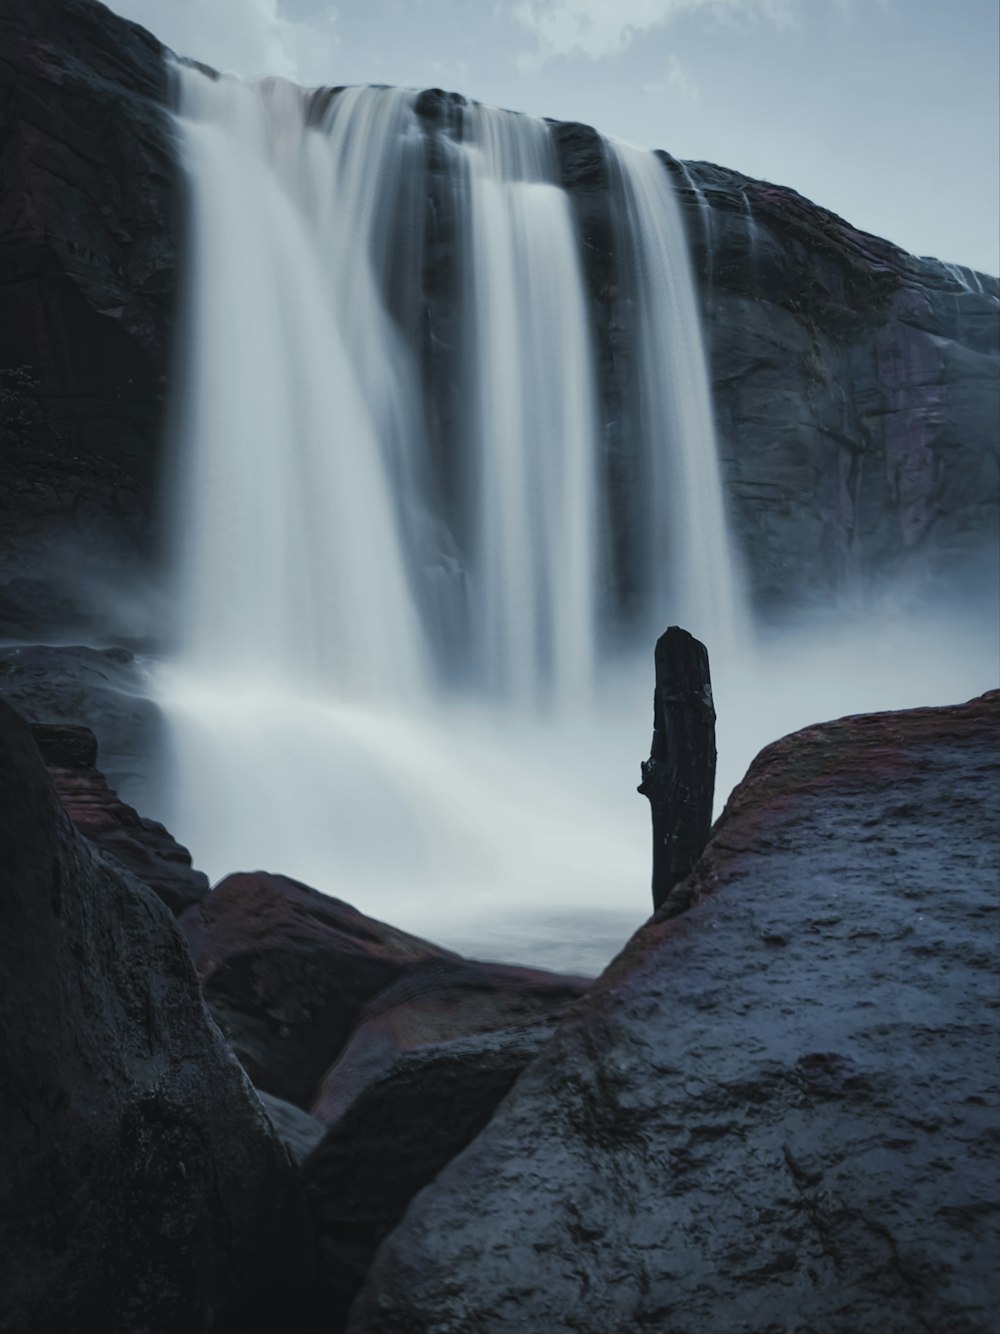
314	728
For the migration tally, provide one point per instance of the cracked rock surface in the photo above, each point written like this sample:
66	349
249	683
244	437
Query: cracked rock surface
777	1108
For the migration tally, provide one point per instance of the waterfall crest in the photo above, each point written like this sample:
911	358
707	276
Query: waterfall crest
385	625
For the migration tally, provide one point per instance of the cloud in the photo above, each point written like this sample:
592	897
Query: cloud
598	29
248	37
676	79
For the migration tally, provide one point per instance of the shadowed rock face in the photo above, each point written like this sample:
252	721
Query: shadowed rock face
777	1103
423	1072
857	397
141	1186
286	971
142	846
87	277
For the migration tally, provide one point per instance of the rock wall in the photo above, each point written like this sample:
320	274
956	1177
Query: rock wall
857	394
88	191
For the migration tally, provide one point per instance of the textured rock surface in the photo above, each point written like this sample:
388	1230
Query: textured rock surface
857	396
424	1070
103	689
286	971
437	1000
141	1185
87	200
141	845
775	1110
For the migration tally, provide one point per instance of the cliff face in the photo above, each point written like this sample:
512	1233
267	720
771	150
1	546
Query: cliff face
856	387
857	393
87	278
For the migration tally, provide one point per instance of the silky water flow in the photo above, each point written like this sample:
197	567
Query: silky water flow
398	675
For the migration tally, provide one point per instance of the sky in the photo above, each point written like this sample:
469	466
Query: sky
886	111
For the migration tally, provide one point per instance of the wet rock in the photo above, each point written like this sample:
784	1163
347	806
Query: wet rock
429	1061
286	971
438	1000
106	690
299	1132
142	846
857	395
87	278
141	1185
774	1104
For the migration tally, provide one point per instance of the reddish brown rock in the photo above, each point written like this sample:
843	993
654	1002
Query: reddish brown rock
142	846
778	1105
286	971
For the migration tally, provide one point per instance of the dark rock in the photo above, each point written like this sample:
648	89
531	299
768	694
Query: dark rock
87	202
775	1106
105	690
286	971
299	1132
437	1000
141	845
679	776
857	398
141	1185
429	1061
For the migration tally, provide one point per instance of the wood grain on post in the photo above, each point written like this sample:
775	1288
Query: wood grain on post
679	776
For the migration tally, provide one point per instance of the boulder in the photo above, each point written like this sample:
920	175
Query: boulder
286	971
141	1184
142	846
423	1072
775	1105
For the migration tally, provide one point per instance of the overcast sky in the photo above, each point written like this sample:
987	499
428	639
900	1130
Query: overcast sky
886	111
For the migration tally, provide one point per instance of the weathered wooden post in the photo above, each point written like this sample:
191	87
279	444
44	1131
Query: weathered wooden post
679	776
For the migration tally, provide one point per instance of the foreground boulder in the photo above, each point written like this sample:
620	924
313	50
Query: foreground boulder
286	971
142	846
141	1185
779	1103
425	1068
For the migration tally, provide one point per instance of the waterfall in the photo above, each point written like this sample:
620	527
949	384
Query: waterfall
686	539
394	675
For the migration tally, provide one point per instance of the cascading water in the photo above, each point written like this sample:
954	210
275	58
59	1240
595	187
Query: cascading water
410	703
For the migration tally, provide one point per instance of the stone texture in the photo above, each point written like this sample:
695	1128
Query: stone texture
87	278
105	690
142	846
141	1185
775	1110
426	1066
286	971
857	397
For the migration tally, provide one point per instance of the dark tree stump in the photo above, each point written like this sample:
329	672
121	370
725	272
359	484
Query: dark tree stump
679	776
